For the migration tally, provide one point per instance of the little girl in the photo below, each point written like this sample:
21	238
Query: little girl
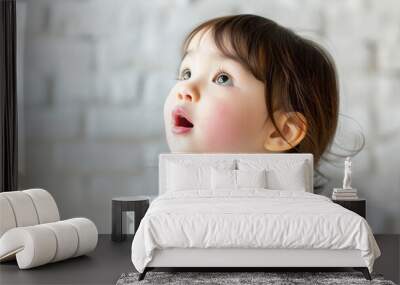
247	84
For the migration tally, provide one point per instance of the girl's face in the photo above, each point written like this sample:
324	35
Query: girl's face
216	106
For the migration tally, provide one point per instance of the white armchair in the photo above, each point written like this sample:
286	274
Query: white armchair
32	233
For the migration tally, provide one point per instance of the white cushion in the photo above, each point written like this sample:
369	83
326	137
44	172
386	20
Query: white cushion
184	175
26	208
87	233
7	220
285	175
23	208
67	237
223	179
33	244
251	178
45	205
293	178
40	244
227	179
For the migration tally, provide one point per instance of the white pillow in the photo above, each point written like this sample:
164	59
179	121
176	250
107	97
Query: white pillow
281	175
251	178
181	177
187	175
237	179
293	178
223	179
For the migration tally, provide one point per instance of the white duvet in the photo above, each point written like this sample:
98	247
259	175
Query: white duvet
251	218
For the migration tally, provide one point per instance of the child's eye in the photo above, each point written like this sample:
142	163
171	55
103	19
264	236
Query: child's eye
185	74
223	79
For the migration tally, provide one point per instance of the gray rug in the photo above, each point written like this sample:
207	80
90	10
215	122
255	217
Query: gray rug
228	278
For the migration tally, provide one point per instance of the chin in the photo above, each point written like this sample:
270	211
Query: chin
176	146
182	149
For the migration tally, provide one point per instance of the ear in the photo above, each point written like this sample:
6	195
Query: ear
293	127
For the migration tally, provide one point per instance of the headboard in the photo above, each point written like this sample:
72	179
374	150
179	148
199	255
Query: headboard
297	157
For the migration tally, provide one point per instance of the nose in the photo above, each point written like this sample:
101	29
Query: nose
189	94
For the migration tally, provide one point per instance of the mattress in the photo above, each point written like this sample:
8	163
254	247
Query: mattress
250	218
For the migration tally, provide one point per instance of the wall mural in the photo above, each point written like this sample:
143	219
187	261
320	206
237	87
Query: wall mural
107	88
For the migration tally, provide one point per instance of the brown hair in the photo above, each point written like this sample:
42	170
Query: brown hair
299	75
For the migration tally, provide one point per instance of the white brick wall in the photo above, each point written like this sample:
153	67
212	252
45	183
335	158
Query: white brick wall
91	18
93	157
97	73
60	55
51	124
124	123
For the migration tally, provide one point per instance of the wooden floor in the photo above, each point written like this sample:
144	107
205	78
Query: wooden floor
111	259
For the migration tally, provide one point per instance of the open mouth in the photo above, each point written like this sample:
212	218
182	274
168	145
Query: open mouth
181	121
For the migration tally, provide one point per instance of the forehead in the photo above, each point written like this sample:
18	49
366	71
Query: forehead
203	42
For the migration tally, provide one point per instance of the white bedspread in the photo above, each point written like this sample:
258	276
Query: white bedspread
251	218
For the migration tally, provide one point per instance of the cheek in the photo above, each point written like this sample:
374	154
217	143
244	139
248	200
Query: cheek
222	127
168	107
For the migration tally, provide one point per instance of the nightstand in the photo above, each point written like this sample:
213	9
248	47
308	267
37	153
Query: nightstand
358	206
138	204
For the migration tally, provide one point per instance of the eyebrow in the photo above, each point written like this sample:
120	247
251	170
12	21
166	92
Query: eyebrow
220	55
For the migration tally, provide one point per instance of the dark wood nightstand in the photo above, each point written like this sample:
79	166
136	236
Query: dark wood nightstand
138	204
357	206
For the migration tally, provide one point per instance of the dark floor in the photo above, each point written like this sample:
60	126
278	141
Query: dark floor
111	259
102	266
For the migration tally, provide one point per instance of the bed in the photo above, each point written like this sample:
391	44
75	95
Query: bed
247	211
